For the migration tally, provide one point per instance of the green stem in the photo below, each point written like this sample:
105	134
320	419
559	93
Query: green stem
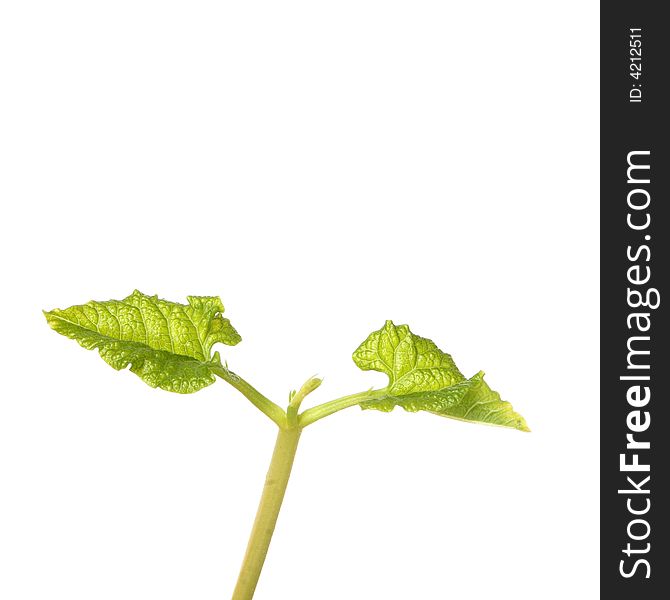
328	408
268	510
265	405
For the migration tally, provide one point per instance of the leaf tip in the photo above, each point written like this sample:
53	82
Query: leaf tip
50	315
522	425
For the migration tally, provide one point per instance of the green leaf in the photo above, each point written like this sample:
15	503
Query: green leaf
422	377
165	343
412	363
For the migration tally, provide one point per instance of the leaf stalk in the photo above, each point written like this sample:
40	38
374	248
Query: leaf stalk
265	405
311	415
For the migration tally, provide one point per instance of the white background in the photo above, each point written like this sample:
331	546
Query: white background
322	166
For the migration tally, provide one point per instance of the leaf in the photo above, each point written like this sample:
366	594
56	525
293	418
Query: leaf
168	345
422	377
412	363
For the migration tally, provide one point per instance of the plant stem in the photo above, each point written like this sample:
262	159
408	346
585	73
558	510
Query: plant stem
328	408
268	510
265	405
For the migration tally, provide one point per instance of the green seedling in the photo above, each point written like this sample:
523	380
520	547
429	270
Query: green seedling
169	345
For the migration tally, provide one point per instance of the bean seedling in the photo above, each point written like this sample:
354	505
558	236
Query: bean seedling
169	346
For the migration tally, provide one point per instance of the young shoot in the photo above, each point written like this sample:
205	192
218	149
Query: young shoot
169	345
